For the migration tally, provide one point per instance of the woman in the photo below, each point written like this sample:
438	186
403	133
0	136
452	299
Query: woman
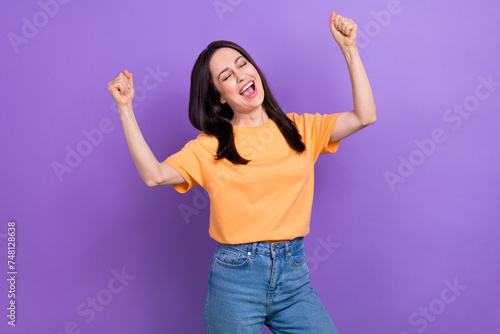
256	163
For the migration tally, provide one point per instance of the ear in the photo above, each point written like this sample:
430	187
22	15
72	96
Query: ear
222	101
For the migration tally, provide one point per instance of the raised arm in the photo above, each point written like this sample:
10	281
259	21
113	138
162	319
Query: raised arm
344	31
152	172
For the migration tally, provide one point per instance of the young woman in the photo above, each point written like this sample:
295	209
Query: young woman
256	163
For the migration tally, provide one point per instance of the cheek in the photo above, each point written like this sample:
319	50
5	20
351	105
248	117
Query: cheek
222	88
256	75
229	88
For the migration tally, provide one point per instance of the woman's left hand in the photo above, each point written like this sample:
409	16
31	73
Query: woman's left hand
344	31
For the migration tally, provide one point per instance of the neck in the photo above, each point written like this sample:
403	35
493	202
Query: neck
253	118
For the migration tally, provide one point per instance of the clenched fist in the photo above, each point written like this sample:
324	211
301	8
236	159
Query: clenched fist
344	31
122	88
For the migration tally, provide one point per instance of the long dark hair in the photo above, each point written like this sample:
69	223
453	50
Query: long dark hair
207	114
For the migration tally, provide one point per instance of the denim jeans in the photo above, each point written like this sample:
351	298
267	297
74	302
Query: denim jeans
259	283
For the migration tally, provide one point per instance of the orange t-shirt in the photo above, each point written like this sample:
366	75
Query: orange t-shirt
270	198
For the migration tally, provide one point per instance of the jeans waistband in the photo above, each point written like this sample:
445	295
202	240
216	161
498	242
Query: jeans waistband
266	247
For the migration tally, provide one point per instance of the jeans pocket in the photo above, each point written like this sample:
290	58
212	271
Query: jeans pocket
298	256
231	257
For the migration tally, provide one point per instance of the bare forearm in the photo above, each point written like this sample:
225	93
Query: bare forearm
144	159
363	101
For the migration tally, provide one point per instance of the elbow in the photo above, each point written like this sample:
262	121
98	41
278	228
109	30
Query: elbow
151	183
369	120
152	179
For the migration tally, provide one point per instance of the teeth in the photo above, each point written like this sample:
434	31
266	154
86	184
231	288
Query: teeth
246	87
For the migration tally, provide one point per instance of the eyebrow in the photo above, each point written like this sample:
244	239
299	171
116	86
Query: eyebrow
227	68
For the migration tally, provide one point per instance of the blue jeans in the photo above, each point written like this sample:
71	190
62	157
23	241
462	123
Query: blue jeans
259	283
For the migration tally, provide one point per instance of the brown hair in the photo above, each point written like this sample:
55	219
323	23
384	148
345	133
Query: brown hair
207	114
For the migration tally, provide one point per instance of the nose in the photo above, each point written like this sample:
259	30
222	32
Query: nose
240	75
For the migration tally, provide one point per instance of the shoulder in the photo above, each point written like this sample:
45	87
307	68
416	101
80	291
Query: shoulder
203	143
296	118
292	115
308	117
304	118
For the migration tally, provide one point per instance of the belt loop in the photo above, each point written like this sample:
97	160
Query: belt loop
254	245
287	250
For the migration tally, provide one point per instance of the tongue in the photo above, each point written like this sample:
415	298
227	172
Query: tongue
249	91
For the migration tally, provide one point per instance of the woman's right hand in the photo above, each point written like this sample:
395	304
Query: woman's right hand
122	89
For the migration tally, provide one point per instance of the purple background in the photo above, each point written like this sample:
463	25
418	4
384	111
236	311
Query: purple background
392	247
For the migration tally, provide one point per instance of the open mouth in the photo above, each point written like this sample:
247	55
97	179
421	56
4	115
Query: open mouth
249	90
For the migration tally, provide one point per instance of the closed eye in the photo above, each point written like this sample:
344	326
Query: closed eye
230	74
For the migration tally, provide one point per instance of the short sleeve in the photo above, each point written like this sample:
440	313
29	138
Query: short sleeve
188	163
324	128
318	129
